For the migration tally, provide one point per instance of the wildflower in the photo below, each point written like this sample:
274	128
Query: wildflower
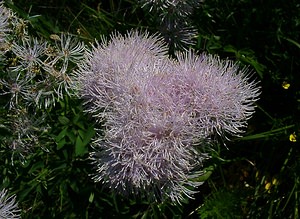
218	92
59	80
29	54
293	137
123	60
11	25
8	206
5	13
173	20
18	87
181	8
142	147
4	27
178	34
19	28
42	93
286	85
24	132
159	113
67	48
26	126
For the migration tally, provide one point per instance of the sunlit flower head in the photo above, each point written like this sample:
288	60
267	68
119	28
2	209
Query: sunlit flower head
116	66
122	85
8	206
159	113
219	92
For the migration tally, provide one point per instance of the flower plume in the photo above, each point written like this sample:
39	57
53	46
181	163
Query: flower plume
8	206
158	112
219	92
172	17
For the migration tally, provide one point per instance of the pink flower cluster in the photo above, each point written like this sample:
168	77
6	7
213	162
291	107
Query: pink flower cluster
157	112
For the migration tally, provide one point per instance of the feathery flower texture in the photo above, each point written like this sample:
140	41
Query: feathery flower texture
4	17
8	206
34	76
172	18
157	112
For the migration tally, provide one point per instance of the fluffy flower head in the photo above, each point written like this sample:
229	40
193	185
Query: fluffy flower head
220	96
155	110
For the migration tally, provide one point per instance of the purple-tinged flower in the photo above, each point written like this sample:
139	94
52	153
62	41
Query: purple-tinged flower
117	67
219	93
68	49
8	206
158	112
29	54
18	87
146	147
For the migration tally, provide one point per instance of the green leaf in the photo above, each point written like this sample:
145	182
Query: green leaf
91	198
61	135
63	120
292	41
80	148
36	166
72	136
61	144
88	135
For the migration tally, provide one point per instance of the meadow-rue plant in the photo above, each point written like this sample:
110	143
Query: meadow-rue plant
39	71
8	206
67	49
218	92
17	87
34	77
157	110
178	7
3	22
5	15
140	151
25	128
173	20
62	59
159	113
178	34
29	55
